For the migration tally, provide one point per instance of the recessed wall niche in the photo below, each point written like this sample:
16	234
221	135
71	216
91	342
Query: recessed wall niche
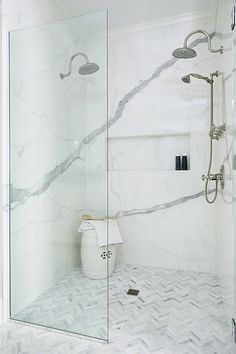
153	152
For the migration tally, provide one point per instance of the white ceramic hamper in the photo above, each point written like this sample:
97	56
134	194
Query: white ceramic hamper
94	258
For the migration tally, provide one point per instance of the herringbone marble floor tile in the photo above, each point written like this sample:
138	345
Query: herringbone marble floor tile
175	312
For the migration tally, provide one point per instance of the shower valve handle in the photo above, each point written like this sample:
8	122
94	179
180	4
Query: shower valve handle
213	177
217	132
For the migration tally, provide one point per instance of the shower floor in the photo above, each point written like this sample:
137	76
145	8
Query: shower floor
175	312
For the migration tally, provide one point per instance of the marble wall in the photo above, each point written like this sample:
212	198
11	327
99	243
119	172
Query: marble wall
163	217
1	226
225	253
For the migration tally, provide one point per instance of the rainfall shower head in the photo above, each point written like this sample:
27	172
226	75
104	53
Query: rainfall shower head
186	52
85	69
88	68
187	78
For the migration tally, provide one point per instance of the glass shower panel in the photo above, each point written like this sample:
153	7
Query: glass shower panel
58	172
234	180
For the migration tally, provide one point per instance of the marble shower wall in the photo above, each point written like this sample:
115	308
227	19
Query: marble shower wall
225	253
1	218
164	219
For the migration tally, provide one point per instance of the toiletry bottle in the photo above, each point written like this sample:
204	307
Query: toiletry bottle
177	162
184	163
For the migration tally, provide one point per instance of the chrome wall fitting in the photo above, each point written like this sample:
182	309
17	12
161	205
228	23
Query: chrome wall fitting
213	177
216	177
186	52
85	69
217	132
222	173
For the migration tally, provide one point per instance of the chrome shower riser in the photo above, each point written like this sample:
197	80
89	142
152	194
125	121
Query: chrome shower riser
216	133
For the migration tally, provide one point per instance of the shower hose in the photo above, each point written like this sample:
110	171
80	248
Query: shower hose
207	179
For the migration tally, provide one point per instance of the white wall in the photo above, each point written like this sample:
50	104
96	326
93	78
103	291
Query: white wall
1	227
225	237
125	13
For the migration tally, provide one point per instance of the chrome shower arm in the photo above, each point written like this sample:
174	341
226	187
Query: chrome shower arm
221	50
70	63
201	77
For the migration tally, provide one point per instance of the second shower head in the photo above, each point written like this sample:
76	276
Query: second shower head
85	69
88	68
186	52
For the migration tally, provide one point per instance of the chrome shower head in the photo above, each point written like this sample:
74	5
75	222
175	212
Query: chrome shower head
88	68
184	53
187	78
85	69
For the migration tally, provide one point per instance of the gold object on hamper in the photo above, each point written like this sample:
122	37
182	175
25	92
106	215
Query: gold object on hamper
89	217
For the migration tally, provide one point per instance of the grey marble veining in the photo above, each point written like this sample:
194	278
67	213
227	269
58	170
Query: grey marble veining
19	196
145	211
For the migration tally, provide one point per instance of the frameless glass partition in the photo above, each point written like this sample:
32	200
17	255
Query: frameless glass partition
234	178
58	173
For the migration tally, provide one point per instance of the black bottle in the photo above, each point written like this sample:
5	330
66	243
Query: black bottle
184	163
177	162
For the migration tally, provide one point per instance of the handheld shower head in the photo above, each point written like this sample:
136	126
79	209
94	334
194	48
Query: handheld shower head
85	69
187	78
187	53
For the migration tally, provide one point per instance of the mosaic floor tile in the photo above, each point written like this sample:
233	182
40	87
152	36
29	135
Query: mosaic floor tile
175	312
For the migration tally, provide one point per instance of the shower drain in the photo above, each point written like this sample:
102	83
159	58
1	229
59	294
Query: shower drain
133	292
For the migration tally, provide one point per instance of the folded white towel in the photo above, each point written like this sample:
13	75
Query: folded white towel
101	227
85	226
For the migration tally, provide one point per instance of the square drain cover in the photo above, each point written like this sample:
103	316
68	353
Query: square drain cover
133	292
